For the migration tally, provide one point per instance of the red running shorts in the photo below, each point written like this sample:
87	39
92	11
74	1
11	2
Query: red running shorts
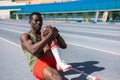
41	64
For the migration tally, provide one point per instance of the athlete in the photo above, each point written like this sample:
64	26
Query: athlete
40	46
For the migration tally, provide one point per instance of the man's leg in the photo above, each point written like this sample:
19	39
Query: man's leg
45	69
61	65
51	74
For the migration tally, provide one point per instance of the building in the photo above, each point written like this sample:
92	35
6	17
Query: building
39	1
8	13
76	10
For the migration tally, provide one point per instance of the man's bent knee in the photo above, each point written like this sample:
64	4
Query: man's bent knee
51	74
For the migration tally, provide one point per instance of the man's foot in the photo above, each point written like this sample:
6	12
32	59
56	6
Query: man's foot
62	66
89	77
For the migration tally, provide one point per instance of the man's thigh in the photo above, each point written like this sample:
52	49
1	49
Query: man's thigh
50	73
43	65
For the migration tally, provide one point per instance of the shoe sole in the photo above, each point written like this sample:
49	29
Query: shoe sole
64	70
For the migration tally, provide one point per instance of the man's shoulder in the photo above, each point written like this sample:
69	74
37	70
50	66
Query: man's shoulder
24	35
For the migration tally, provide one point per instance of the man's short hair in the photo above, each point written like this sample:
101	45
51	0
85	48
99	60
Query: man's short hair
34	13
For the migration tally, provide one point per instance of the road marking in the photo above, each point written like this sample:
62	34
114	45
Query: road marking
63	34
102	50
81	36
77	30
97	49
12	30
15	44
115	53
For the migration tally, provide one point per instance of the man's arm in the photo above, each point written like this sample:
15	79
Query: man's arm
34	48
28	44
61	42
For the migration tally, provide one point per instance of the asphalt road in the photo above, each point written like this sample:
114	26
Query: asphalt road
92	48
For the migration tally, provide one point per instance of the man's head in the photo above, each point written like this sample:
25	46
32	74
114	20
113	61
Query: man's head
35	20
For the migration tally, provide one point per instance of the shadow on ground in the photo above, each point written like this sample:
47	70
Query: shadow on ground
88	67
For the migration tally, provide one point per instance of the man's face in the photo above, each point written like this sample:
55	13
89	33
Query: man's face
36	22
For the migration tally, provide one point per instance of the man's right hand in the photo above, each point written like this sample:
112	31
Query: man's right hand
47	32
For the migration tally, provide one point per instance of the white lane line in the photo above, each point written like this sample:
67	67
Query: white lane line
78	30
88	37
70	44
14	27
97	49
15	44
12	30
73	29
63	34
